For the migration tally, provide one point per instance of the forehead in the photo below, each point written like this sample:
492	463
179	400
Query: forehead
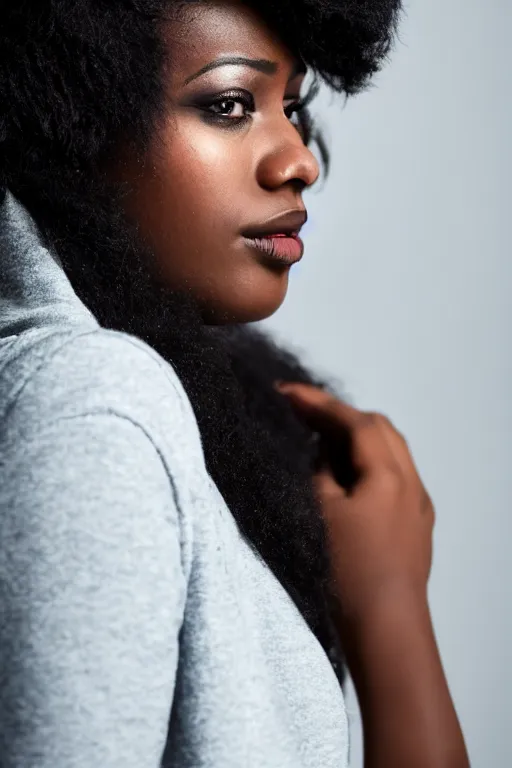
205	31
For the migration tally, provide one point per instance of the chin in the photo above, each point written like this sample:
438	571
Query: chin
251	305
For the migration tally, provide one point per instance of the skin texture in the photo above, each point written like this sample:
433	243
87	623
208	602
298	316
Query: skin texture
207	179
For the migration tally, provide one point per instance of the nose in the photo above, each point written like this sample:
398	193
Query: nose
288	162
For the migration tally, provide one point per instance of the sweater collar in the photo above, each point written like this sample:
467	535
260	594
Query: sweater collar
35	292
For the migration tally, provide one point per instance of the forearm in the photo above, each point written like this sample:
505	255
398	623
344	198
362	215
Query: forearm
409	720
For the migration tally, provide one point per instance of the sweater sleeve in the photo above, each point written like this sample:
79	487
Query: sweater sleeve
92	596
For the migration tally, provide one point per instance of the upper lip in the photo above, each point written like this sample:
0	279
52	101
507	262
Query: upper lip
288	223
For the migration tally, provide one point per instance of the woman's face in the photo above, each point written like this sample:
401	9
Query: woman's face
227	160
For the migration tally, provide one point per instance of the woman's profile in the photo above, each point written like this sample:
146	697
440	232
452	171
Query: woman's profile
198	537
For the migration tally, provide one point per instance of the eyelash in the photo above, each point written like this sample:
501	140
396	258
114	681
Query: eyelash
246	100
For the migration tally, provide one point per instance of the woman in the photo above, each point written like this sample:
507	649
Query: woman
185	549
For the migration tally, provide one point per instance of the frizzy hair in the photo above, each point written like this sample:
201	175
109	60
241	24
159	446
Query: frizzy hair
76	80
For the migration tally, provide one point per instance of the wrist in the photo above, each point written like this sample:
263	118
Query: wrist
397	613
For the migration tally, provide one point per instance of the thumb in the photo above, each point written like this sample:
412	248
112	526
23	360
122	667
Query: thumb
324	479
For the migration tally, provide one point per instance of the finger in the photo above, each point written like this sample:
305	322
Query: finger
319	406
428	506
326	414
397	444
326	486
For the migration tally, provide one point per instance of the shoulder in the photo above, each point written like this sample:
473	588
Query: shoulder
74	374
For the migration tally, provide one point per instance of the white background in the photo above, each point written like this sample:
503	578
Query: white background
405	293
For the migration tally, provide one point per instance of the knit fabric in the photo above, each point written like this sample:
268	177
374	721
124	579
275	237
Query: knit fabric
138	629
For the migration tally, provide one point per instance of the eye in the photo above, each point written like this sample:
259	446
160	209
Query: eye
232	107
228	108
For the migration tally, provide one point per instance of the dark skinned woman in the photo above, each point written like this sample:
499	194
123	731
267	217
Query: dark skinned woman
190	556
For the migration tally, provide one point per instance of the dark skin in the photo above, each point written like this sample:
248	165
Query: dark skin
380	539
229	156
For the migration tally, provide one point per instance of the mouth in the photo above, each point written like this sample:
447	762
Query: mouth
286	224
278	238
282	249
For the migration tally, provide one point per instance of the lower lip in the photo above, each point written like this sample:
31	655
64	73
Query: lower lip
281	249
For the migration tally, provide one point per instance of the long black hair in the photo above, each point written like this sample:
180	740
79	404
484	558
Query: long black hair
76	78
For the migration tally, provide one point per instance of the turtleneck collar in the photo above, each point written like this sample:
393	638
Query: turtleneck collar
35	292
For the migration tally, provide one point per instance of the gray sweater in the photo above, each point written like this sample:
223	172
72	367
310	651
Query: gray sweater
137	627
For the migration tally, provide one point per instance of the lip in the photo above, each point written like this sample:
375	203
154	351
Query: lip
278	249
289	223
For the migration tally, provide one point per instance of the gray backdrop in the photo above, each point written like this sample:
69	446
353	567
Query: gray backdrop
404	293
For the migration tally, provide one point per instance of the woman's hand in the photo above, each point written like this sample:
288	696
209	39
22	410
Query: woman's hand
379	519
380	529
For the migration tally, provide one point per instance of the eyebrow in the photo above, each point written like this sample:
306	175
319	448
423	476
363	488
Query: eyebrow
261	65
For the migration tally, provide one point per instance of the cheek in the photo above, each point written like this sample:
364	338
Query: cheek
197	196
209	171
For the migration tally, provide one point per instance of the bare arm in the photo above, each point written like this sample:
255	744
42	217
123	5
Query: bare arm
409	720
380	536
